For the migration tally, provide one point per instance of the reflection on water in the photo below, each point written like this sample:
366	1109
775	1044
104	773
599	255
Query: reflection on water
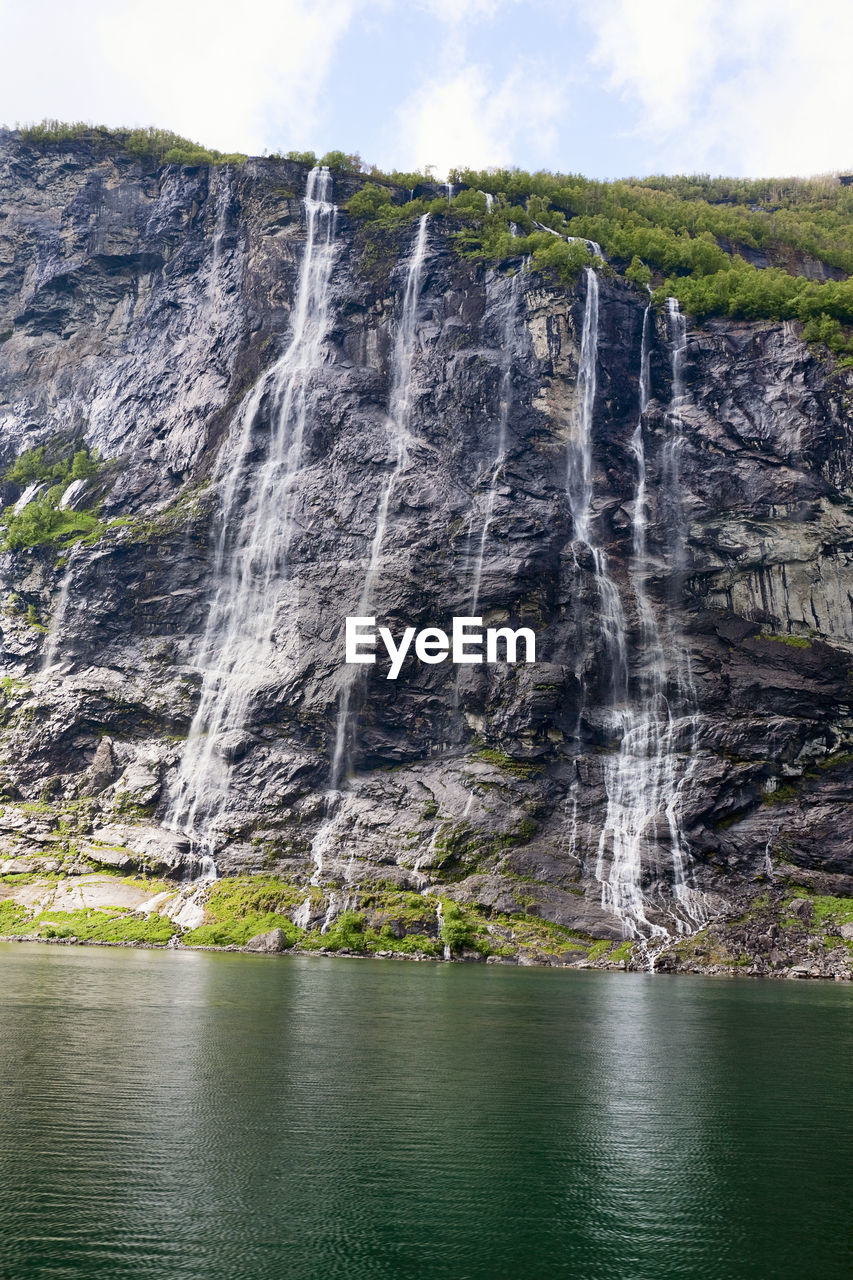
225	1117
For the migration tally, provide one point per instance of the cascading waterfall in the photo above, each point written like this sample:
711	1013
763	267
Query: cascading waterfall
398	433
221	197
692	902
592	245
645	779
58	619
509	328
257	528
580	492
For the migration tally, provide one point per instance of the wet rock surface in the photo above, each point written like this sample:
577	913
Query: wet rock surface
139	311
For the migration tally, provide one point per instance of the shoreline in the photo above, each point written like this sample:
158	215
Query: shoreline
791	973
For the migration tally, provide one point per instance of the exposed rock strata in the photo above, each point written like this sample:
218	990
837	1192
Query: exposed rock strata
136	311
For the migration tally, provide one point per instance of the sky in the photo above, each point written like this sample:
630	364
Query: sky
607	88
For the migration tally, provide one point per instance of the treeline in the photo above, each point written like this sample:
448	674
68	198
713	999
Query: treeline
684	237
722	246
651	217
156	146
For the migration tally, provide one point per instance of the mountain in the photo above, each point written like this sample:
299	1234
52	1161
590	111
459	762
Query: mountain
242	402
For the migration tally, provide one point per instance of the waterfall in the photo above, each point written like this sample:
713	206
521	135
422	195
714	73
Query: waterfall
592	245
398	433
258	522
580	492
692	902
57	621
220	196
644	780
509	328
449	189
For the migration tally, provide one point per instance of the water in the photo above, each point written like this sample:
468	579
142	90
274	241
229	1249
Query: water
510	337
643	860
193	1116
579	488
238	651
592	245
59	616
398	435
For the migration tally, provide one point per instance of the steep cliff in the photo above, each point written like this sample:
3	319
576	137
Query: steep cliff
295	417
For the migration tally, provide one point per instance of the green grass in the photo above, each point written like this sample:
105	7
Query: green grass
87	926
623	953
518	768
794	642
599	949
41	520
686	236
155	146
238	908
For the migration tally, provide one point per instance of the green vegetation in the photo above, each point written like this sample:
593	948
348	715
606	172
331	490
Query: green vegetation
524	769
86	926
240	907
828	911
599	949
42	520
13	919
733	247
458	928
153	146
691	238
300	157
795	642
622	954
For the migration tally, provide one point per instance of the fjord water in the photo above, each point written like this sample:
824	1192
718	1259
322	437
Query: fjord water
203	1115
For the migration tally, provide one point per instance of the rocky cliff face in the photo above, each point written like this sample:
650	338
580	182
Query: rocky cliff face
668	508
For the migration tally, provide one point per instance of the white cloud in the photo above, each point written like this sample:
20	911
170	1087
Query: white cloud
237	78
455	12
461	117
761	86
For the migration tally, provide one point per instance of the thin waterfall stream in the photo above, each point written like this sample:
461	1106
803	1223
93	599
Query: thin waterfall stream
509	330
399	410
644	780
236	652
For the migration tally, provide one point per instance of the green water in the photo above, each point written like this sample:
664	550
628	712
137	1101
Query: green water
227	1117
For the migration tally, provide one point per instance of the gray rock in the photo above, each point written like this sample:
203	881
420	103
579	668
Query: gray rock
273	941
138	312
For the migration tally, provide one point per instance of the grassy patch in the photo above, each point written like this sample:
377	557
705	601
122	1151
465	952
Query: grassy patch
156	146
87	926
240	907
41	520
599	949
793	642
347	933
518	768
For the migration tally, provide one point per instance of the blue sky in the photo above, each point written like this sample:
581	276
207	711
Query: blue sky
601	87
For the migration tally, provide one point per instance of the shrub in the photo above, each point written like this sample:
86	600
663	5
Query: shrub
340	162
457	929
367	202
638	273
302	157
41	520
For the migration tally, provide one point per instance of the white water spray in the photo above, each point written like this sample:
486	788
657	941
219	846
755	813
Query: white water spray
59	615
644	781
236	653
509	328
398	434
580	492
